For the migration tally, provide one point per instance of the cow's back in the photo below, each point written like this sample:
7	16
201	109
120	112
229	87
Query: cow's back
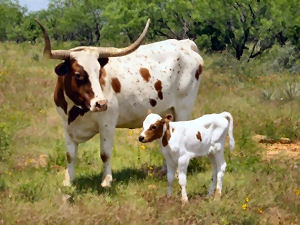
157	76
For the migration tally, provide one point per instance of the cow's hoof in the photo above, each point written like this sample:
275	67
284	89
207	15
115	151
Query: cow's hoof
106	182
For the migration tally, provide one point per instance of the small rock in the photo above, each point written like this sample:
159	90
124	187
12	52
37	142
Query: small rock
263	139
285	141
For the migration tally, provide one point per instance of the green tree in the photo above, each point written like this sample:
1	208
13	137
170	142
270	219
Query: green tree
76	20
11	16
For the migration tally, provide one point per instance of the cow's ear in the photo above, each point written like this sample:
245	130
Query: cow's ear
169	117
103	61
62	68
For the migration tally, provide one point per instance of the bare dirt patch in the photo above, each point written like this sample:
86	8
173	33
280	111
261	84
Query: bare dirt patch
278	149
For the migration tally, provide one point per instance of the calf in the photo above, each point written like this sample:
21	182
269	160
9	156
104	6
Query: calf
184	140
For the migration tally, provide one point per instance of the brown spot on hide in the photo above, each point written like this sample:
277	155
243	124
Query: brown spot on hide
152	102
173	130
69	157
145	74
198	135
198	72
75	112
104	157
102	77
59	97
116	85
158	88
167	135
160	95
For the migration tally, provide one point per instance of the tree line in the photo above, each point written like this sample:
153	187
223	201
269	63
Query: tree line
243	27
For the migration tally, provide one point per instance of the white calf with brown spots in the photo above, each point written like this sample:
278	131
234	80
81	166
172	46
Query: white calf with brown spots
182	141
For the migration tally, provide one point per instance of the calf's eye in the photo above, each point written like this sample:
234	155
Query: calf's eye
153	127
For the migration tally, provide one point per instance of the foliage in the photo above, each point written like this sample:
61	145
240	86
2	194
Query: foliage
244	28
5	139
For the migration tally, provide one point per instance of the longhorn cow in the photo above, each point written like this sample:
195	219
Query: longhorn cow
99	89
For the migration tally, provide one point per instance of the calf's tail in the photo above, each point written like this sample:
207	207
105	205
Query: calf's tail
228	116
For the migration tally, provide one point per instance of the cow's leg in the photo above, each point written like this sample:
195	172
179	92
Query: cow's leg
213	183
106	145
71	157
183	163
221	167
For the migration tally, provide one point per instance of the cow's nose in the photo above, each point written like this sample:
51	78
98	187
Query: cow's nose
101	105
141	138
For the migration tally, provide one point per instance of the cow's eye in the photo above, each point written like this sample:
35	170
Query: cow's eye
78	76
153	127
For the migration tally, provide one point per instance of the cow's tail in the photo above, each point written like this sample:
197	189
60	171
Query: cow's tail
228	116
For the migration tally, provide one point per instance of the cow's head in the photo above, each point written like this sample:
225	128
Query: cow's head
81	70
153	127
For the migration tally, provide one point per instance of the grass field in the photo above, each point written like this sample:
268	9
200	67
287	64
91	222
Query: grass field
32	157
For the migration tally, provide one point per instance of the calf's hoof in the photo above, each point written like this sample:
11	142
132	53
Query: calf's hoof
184	201
106	182
67	183
217	195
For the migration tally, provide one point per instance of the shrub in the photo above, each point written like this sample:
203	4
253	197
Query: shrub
5	139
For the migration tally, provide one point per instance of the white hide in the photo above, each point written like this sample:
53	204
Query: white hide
184	145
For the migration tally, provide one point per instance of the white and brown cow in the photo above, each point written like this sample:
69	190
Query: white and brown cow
99	89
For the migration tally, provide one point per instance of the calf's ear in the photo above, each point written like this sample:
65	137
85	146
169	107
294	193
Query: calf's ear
169	117
62	68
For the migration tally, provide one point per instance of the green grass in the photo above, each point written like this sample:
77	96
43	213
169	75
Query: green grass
260	102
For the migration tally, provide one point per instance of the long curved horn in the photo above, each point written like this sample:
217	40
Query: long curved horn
114	52
55	54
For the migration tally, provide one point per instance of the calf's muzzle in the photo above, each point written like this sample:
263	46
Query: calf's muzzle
141	139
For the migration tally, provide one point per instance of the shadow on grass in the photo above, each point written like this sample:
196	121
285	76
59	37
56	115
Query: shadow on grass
92	183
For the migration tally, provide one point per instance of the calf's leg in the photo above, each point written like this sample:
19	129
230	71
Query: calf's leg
170	176
221	167
213	183
183	163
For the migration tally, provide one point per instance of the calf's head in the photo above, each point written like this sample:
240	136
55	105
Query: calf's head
153	127
81	70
